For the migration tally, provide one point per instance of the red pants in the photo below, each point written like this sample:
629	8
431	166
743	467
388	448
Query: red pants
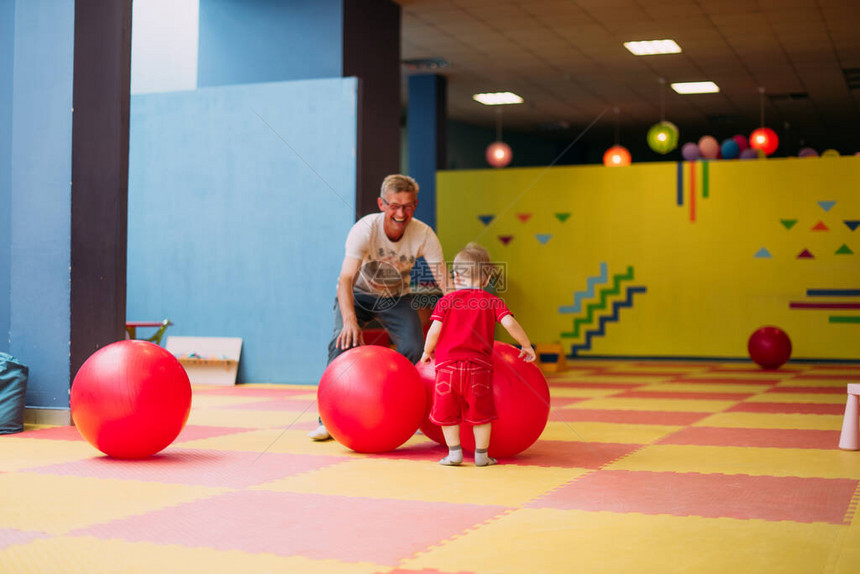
464	392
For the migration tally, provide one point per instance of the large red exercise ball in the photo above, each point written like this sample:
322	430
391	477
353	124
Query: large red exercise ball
769	347
690	151
130	399
709	147
371	399
499	154
662	137
764	139
427	372
521	397
616	156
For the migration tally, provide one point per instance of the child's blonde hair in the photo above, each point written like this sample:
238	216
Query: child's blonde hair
474	258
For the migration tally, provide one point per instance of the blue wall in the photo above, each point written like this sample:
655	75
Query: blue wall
7	50
269	41
240	199
41	196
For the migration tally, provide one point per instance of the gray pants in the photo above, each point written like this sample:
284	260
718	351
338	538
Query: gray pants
396	315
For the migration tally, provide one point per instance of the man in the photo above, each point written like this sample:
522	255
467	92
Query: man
374	279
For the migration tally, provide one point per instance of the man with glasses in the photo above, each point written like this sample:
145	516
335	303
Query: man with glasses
374	280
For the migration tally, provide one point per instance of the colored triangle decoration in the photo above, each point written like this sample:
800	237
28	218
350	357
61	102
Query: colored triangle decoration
820	227
852	223
844	250
788	223
826	205
524	216
543	237
486	219
505	239
805	254
562	216
763	253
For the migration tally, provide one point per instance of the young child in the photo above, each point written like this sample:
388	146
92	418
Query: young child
461	337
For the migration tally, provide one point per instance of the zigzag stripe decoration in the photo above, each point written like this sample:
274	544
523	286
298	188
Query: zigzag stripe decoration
601	328
543	237
852	223
604	295
486	219
826	205
588	293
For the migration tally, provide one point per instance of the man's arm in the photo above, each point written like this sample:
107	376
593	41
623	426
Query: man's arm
350	335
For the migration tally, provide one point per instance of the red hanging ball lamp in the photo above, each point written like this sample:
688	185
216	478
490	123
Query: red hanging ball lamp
499	154
616	156
764	139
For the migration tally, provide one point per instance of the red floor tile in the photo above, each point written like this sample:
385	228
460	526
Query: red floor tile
644	373
848	378
567	454
631	417
11	537
197	432
723	381
52	433
840	390
575	385
232	469
788	408
276	404
683	395
381	531
774	438
712	495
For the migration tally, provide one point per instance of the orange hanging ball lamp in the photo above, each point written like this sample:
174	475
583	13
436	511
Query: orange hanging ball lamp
616	156
499	154
764	139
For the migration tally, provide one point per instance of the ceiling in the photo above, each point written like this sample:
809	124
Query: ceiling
566	59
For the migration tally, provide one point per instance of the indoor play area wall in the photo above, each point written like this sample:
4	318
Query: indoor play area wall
665	260
35	194
240	199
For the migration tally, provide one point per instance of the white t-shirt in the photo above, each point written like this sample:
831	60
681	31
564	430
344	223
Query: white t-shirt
387	265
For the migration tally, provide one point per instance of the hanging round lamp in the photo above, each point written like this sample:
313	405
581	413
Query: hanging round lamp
499	154
764	139
616	156
663	137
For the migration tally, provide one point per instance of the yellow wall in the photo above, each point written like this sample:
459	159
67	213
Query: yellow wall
704	291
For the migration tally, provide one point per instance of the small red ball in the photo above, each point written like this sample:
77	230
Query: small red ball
769	347
130	399
371	399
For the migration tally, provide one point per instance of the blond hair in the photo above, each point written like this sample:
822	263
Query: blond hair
397	182
474	257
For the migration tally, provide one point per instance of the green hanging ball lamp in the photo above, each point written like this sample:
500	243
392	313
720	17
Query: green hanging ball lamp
663	137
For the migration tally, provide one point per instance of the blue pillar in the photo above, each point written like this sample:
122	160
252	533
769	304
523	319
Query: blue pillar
425	124
40	197
7	49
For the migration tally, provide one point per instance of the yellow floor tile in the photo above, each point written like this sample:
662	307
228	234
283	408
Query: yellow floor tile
250	418
606	432
772	421
22	453
209	401
88	555
555	541
742	460
67	502
704	388
572	392
506	485
797	398
671	405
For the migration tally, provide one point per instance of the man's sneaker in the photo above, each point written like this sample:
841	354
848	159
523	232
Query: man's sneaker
319	433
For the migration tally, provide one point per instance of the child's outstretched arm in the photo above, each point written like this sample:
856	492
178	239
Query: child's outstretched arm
430	342
516	331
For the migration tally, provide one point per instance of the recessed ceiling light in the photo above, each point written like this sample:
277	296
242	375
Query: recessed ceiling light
653	47
696	88
498	98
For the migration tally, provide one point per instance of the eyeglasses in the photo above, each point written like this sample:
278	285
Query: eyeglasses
407	207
